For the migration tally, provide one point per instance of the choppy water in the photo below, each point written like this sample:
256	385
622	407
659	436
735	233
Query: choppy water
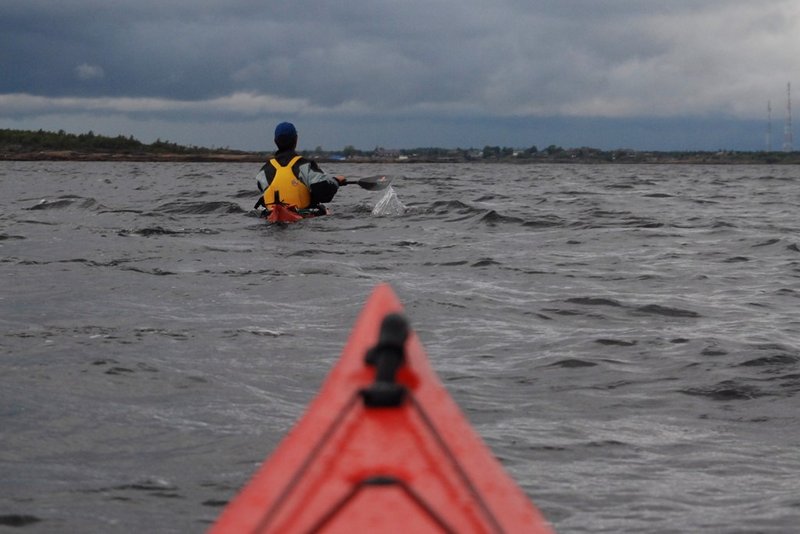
625	338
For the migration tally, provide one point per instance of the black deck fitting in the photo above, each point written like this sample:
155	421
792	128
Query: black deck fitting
387	356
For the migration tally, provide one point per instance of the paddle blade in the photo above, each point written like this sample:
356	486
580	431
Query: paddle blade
374	183
371	183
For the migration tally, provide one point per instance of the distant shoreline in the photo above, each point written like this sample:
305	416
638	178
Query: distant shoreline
71	155
25	145
566	157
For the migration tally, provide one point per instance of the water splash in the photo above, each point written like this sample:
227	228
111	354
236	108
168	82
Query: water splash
389	204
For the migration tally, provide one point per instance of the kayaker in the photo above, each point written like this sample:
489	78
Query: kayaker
298	181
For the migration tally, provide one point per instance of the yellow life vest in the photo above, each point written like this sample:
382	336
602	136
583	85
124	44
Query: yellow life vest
290	189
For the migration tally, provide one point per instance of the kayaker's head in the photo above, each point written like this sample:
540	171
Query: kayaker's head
286	136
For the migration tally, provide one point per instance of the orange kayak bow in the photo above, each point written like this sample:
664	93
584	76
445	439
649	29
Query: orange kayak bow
383	448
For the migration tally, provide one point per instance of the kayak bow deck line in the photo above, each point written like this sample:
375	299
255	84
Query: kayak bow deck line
382	448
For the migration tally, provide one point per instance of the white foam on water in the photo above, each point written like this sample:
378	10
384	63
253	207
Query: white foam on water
389	204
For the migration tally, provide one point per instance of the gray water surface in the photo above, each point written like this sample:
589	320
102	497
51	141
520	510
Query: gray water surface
625	338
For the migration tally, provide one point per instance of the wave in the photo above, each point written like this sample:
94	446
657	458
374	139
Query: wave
594	301
767	370
68	201
667	311
155	271
493	218
459	211
157	487
485	262
545	221
453	210
766	243
572	363
647	309
772	362
615	342
150	231
779	354
727	390
18	520
123	371
246	193
780	367
455	263
189	207
253	330
449	206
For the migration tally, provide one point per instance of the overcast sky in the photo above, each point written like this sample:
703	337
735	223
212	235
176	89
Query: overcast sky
643	74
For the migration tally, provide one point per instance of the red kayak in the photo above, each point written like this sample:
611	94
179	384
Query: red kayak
383	448
282	213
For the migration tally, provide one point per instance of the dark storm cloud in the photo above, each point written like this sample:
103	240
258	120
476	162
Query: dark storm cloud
235	59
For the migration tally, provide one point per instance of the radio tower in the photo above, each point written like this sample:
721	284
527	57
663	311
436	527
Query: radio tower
788	137
769	125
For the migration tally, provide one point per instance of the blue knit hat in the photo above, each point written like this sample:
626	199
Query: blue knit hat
285	135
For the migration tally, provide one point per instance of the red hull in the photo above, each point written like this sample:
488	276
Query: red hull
413	468
281	213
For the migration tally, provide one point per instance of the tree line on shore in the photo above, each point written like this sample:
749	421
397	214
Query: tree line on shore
27	144
25	141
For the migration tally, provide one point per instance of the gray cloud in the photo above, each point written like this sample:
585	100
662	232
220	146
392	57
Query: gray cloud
192	60
86	72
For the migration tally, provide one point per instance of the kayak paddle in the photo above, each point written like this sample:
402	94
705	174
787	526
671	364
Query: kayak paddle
371	183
